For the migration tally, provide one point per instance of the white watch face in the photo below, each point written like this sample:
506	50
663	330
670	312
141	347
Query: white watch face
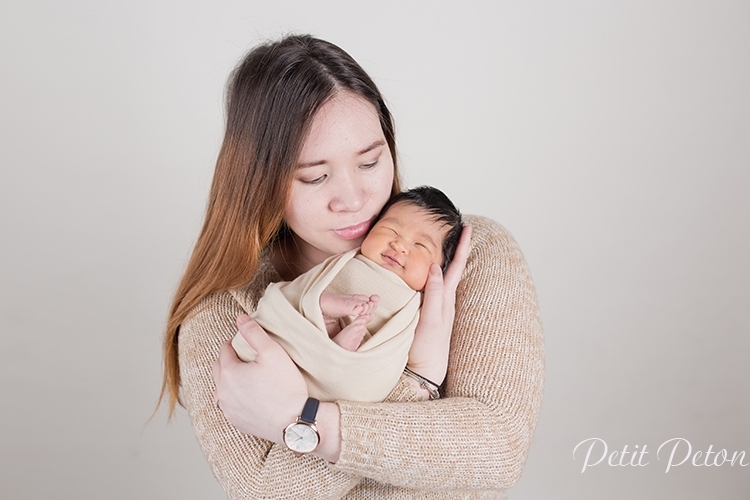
301	437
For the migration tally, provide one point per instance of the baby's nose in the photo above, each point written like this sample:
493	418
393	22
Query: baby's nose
398	245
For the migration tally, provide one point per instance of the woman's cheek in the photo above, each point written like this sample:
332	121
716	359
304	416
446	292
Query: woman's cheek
383	190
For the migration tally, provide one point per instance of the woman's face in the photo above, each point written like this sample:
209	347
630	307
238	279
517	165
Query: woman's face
344	177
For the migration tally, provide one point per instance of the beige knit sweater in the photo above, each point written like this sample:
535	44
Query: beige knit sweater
472	443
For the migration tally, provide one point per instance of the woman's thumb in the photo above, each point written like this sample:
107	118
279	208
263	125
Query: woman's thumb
433	291
250	340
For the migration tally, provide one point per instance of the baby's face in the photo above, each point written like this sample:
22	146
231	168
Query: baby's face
406	240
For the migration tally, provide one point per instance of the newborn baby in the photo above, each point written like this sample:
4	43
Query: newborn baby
407	239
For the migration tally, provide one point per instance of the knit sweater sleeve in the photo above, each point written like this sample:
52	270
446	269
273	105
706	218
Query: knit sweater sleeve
478	435
244	465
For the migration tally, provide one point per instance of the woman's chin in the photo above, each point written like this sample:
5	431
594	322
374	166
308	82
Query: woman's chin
347	245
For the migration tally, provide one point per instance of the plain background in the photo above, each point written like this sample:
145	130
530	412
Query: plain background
611	138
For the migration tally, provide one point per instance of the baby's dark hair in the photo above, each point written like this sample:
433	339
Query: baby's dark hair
441	207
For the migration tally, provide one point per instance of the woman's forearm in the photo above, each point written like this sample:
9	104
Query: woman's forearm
424	447
329	428
246	466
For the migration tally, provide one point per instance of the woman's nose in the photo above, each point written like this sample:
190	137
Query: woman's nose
348	197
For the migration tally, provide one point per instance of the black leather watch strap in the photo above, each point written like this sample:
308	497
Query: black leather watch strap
309	411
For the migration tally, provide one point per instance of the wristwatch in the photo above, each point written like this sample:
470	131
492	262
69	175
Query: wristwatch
302	436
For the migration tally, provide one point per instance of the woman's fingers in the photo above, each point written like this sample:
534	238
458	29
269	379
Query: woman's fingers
457	265
216	371
224	357
262	396
255	335
428	355
227	357
440	291
432	304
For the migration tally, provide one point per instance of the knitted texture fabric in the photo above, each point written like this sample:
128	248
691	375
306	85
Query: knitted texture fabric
472	443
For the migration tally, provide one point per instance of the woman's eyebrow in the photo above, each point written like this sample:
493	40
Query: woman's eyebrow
372	146
369	148
311	164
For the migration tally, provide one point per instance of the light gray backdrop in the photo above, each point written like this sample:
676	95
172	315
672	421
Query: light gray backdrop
612	138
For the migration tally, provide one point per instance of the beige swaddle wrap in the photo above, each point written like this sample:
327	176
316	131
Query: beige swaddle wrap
290	313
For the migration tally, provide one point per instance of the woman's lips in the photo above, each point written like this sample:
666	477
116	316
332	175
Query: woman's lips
353	232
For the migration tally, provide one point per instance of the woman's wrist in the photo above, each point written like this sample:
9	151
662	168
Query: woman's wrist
433	390
434	372
424	394
328	423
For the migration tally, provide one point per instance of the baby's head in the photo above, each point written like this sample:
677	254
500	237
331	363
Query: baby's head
415	229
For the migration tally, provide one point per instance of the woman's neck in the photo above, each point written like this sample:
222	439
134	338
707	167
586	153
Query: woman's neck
289	258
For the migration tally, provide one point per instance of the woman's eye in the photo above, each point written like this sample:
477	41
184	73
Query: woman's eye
368	166
317	180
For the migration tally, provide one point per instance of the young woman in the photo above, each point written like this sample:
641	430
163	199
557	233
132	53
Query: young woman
307	162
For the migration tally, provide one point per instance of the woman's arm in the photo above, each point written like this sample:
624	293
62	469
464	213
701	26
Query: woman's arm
246	466
266	394
479	434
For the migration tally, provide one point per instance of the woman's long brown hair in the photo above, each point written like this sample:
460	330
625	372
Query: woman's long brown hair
272	96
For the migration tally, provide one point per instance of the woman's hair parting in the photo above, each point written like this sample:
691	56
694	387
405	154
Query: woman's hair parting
440	207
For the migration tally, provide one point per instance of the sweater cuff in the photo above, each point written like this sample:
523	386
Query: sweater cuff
362	429
404	391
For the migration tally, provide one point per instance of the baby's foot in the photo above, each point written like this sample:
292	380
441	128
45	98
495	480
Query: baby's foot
336	305
350	337
369	307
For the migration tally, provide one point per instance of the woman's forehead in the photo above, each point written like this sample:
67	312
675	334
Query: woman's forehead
346	125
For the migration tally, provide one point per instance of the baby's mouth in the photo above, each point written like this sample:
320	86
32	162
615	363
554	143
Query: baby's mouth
391	260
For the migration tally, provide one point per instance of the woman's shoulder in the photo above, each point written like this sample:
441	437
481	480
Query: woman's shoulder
213	320
243	299
496	292
250	293
496	267
490	239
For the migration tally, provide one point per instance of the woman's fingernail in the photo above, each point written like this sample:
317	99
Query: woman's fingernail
242	319
435	270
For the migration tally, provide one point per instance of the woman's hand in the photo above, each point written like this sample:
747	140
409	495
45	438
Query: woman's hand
263	396
428	355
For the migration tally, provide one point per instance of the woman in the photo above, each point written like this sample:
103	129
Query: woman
307	161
